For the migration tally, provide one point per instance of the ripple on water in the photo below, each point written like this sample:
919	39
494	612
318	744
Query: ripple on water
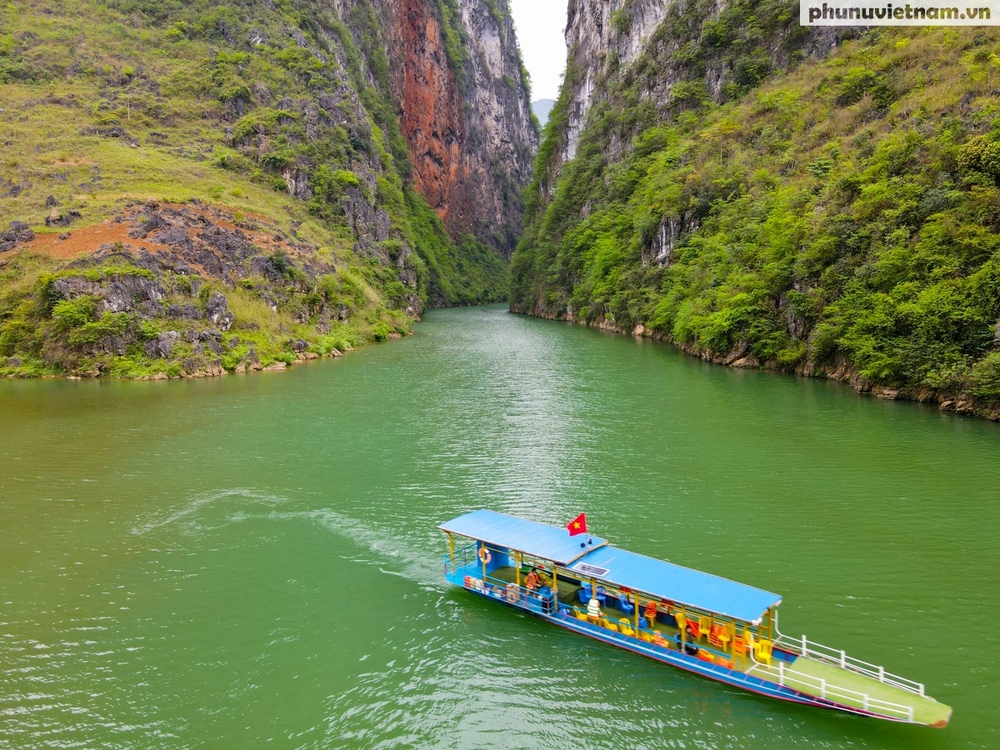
258	563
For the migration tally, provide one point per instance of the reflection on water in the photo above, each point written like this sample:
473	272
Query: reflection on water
255	559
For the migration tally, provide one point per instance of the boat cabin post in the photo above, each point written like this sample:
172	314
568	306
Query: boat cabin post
683	628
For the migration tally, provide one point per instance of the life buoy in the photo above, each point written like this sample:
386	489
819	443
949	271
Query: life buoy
485	556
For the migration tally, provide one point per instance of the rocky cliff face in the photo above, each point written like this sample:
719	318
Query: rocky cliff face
678	53
464	111
767	195
597	33
461	96
388	140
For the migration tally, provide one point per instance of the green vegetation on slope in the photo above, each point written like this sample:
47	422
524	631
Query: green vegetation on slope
278	109
122	314
842	217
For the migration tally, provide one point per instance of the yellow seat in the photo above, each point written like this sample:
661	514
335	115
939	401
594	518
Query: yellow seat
728	634
605	623
650	613
625	627
581	615
704	627
681	620
763	650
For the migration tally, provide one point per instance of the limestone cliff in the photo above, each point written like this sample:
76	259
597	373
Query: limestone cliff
677	52
767	195
330	167
595	37
463	101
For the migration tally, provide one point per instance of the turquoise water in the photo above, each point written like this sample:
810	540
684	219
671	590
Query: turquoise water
253	560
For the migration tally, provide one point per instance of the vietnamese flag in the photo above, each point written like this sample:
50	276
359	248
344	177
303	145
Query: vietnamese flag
578	525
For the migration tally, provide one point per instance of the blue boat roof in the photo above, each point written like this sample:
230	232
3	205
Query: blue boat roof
529	537
678	584
618	567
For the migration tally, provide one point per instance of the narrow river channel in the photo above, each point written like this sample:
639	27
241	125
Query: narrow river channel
253	560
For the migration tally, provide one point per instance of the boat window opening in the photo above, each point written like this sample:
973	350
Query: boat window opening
666	611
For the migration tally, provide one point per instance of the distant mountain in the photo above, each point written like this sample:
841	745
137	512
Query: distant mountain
542	108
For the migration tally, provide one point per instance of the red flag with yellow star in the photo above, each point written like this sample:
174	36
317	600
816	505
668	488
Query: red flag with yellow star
578	525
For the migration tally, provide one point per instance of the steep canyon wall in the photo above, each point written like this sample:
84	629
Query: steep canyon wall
464	108
328	167
768	195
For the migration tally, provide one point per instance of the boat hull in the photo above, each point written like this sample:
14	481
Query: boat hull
678	658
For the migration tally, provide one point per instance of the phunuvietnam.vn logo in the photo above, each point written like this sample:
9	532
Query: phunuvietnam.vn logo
841	13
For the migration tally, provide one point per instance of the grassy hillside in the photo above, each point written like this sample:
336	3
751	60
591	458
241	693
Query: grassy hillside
838	220
274	110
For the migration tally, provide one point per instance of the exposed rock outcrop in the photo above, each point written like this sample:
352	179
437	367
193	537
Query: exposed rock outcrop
154	293
594	42
605	37
218	313
19	232
468	121
162	345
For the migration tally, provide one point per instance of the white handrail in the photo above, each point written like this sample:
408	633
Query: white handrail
804	647
834	692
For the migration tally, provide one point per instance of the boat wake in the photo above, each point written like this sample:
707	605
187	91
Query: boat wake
395	556
204	500
390	552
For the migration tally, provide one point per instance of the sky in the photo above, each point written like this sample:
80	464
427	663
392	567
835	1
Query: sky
540	25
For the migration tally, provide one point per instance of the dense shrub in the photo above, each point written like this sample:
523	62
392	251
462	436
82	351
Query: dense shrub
822	218
981	154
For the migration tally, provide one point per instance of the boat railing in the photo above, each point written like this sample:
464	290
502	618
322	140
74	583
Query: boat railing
802	646
466	562
539	600
463	558
790	678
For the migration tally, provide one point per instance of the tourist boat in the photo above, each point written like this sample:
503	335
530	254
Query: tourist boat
705	624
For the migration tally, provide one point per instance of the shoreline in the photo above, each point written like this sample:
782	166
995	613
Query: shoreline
213	372
842	372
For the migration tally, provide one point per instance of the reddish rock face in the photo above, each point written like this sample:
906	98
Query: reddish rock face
472	143
431	115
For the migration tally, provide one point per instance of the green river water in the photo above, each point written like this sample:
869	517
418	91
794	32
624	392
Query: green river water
252	561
